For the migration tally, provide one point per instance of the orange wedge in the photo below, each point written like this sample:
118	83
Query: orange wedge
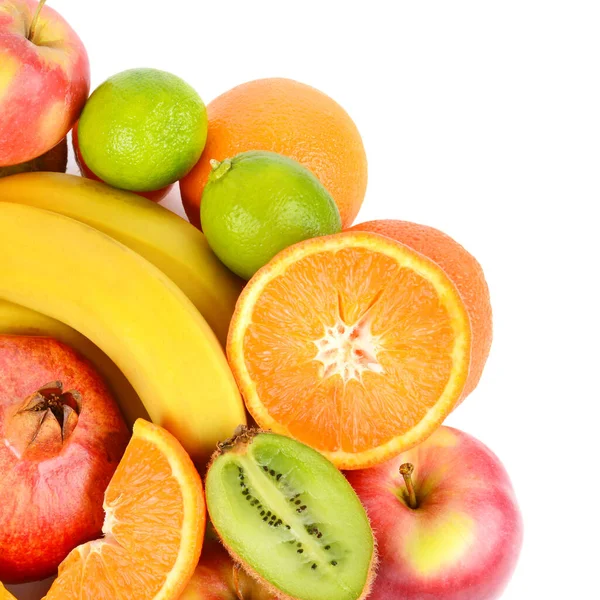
153	528
354	344
5	594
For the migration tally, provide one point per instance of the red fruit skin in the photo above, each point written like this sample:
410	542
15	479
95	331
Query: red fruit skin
52	504
155	196
55	160
43	85
214	577
464	539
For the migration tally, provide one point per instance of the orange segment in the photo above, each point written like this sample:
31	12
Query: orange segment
352	343
153	528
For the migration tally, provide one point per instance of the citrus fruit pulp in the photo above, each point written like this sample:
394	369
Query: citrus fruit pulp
142	129
352	343
290	118
153	528
464	271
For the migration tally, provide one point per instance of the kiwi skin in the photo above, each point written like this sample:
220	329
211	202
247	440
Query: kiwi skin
243	436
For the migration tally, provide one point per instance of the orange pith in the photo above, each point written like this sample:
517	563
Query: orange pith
153	529
352	343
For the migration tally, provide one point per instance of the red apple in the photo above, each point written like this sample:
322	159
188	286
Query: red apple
61	438
453	534
44	80
217	578
54	160
155	196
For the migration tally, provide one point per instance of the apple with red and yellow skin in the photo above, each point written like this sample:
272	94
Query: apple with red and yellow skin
55	160
44	80
155	196
446	521
217	578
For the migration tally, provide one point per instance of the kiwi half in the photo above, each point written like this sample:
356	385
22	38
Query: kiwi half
290	518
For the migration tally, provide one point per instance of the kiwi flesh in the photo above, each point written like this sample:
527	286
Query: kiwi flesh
290	518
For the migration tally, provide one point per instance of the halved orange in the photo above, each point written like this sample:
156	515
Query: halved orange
5	594
464	271
153	528
353	343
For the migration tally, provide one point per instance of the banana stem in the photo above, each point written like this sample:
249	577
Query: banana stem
406	470
35	20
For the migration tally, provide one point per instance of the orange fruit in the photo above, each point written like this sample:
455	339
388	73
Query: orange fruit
153	528
464	271
354	344
290	118
5	594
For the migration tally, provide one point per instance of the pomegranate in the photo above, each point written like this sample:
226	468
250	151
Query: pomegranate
61	438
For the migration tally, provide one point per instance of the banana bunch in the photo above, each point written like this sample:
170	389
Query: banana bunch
19	320
134	288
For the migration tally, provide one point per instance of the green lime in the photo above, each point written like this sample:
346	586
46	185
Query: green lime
258	203
142	129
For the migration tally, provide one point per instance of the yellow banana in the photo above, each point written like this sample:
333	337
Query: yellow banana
129	309
5	594
166	240
18	320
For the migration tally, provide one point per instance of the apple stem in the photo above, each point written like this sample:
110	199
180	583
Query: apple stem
36	17
406	470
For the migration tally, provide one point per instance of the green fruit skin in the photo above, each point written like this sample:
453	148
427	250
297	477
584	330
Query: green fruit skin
262	204
143	129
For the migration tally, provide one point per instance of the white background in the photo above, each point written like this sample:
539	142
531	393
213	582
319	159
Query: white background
481	119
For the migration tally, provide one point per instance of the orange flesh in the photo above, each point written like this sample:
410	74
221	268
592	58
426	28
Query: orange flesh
395	376
143	533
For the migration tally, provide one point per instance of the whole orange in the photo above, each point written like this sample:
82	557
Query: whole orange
463	270
290	118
